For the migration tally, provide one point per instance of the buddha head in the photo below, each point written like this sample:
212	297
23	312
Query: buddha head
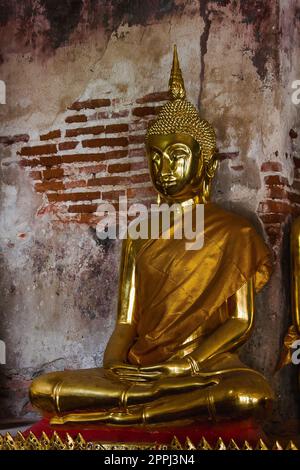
181	146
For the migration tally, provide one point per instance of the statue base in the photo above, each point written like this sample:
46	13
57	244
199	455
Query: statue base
143	436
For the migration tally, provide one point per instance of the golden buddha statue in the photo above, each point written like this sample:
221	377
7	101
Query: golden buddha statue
293	333
182	313
295	262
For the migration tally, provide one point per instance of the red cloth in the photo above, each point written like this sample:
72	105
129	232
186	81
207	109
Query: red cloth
237	430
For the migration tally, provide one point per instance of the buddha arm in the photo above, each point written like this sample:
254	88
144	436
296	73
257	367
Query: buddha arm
125	329
295	265
235	331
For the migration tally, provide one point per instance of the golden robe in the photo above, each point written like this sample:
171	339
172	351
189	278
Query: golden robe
181	292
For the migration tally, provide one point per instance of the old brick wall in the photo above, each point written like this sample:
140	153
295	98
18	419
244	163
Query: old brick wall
78	167
83	81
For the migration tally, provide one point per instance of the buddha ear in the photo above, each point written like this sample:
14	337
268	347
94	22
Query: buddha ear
210	169
210	166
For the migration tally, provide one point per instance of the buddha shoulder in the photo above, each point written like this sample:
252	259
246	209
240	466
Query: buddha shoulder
227	222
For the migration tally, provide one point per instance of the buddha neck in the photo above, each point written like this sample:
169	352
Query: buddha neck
197	199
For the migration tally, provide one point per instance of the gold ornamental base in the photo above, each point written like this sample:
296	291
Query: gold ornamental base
31	442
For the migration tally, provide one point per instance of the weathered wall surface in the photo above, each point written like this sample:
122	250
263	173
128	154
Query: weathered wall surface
83	80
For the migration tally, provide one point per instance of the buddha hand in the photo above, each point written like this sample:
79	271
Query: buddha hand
131	372
172	368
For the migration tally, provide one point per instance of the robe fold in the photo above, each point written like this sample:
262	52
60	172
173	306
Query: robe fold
182	291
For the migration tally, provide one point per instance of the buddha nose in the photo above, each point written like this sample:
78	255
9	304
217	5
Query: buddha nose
167	165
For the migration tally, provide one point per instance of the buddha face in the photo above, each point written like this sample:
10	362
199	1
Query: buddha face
176	166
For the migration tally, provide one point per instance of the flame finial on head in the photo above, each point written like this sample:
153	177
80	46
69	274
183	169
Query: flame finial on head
180	116
176	83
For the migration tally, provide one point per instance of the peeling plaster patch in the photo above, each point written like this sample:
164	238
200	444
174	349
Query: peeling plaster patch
6	11
203	42
260	15
70	298
50	24
63	18
106	244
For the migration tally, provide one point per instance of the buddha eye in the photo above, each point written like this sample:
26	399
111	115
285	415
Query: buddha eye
155	157
178	155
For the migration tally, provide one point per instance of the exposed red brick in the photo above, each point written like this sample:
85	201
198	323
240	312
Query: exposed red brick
271	206
271	166
44	161
84	131
107	180
36	175
50	161
227	155
273	218
13	139
123	167
90	169
140	125
116	180
90	104
49	186
120	114
119	167
277	192
116	154
154	97
108	142
38	150
140	192
51	135
75	184
82	208
31	163
76	118
112	128
139	166
89	219
100	115
146	111
81	157
68	145
143	178
137	152
86	196
274	180
112	195
94	157
137	139
53	174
